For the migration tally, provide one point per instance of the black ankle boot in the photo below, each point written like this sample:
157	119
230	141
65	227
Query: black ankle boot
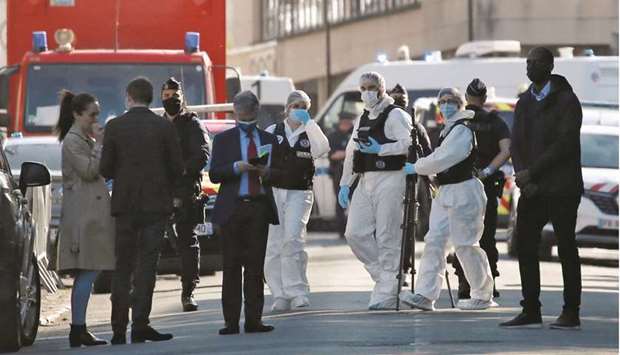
80	335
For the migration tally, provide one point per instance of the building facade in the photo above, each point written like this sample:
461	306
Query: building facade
291	37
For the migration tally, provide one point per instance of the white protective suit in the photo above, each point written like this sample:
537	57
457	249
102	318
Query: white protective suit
376	209
285	259
457	218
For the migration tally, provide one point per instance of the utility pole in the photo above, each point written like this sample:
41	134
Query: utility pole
470	19
328	59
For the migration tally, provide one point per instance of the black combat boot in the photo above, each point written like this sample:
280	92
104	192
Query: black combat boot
187	298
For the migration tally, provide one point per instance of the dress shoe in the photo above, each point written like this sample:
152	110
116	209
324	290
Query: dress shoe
568	320
229	330
80	335
119	338
524	320
258	328
140	335
189	304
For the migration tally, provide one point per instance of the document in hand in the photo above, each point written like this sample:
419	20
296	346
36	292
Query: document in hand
263	156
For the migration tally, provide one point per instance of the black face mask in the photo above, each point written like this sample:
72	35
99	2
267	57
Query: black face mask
172	106
538	74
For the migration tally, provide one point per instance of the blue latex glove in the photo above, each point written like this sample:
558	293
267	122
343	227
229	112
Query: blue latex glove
410	169
371	148
343	196
300	115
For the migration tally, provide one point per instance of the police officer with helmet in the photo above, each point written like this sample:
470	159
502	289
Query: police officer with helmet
188	212
493	137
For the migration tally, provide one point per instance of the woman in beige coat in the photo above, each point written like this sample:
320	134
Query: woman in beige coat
86	242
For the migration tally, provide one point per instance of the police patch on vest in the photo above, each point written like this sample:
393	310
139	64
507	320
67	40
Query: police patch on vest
280	139
304	155
380	164
305	143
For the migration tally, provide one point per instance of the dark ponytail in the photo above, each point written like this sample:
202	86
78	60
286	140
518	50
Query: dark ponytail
70	103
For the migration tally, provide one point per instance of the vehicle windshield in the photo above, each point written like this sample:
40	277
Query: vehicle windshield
599	151
48	154
107	82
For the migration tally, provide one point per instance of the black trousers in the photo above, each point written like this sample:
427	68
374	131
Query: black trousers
244	241
341	217
189	250
532	215
138	246
487	241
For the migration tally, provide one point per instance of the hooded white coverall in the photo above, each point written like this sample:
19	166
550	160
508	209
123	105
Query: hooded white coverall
285	259
376	210
457	218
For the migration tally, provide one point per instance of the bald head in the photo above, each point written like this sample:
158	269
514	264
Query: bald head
539	65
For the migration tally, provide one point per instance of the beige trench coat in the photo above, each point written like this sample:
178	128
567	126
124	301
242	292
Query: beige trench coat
86	239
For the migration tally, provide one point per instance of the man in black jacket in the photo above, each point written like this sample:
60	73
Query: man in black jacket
546	153
243	211
195	152
141	153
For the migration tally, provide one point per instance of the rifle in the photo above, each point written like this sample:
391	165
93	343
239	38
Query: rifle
410	214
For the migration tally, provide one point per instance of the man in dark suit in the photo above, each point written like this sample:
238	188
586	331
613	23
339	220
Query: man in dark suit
243	211
142	154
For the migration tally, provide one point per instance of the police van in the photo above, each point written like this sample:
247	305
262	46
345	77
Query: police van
594	78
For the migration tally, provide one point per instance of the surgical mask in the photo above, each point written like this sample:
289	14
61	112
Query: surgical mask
370	98
247	126
172	106
293	114
448	109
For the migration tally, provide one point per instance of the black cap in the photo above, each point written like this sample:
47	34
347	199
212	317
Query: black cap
171	84
476	88
398	89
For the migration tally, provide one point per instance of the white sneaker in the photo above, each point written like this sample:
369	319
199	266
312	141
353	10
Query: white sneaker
300	302
389	304
475	304
280	305
417	301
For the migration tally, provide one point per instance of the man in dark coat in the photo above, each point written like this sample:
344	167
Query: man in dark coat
243	211
188	212
141	153
546	153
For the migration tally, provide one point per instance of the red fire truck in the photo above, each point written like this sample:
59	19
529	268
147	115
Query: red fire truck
100	47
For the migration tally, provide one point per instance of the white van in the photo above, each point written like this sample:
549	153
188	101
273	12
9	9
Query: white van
593	78
272	92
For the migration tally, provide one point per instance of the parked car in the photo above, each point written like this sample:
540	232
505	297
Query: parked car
20	287
46	150
597	217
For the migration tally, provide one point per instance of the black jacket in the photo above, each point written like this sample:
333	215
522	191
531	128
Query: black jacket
546	139
227	151
141	152
194	150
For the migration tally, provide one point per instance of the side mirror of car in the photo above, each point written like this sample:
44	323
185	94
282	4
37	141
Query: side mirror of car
33	174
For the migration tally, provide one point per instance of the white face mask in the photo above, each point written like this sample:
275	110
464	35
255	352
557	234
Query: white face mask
370	98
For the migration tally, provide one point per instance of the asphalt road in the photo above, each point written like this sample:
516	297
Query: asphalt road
338	321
